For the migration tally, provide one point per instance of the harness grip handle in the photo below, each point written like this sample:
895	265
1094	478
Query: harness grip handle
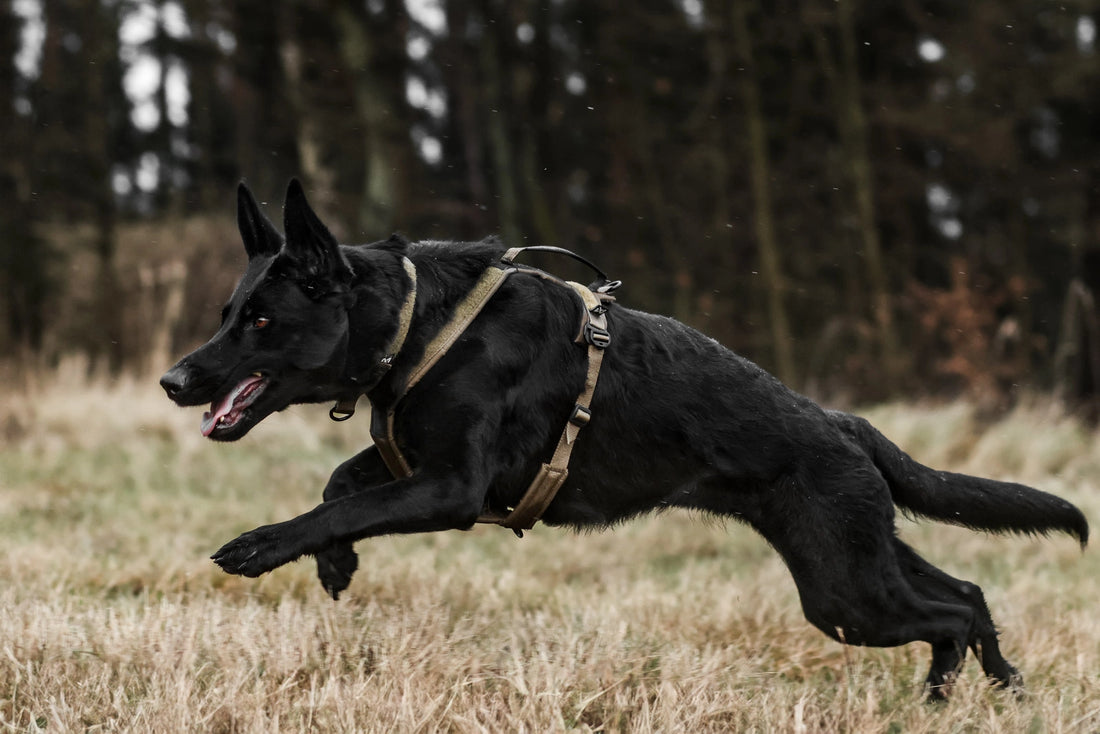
603	283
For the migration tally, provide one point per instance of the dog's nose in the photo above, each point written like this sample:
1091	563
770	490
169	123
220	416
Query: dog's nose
173	381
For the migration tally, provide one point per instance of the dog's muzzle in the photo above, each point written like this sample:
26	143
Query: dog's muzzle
174	380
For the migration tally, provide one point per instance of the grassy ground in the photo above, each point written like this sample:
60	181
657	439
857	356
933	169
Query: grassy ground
114	619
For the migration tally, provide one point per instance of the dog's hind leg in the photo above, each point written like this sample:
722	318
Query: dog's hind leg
338	563
835	530
871	602
934	583
876	606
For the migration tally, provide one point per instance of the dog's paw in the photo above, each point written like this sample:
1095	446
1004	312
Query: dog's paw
335	567
256	552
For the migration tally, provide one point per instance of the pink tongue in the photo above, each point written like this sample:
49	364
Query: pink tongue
223	406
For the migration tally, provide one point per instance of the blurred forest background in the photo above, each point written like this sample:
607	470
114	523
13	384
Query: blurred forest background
867	198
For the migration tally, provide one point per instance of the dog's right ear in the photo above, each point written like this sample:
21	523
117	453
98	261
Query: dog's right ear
258	233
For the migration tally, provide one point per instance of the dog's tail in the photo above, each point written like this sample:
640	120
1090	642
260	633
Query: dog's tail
960	499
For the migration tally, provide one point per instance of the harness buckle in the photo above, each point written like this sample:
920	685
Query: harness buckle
597	336
606	286
581	416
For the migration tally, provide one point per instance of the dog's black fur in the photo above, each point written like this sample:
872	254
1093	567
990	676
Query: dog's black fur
677	421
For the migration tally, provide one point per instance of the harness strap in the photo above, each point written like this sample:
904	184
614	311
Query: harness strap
385	438
405	317
381	421
551	475
345	406
465	312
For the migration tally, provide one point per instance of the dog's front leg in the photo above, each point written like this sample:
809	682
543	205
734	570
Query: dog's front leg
419	504
338	563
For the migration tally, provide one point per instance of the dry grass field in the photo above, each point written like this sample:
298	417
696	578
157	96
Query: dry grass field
113	619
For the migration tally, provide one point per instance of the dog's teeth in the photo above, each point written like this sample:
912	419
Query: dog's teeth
257	374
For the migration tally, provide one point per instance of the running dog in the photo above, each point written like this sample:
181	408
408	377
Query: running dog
675	420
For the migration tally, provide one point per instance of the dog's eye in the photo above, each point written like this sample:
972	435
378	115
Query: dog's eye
260	322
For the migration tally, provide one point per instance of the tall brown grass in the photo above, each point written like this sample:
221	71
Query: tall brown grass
114	620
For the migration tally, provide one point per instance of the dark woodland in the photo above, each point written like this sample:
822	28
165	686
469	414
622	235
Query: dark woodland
870	200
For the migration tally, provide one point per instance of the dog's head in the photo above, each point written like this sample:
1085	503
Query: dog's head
284	332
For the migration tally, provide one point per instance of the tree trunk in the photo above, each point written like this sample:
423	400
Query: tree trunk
853	128
376	205
500	140
760	177
1077	357
535	176
307	134
23	261
467	114
106	325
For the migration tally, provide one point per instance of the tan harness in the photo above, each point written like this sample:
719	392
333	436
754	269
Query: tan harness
593	332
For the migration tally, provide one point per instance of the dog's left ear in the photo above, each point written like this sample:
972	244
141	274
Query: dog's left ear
312	249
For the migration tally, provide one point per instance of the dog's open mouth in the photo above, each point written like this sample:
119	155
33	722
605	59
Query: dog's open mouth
227	412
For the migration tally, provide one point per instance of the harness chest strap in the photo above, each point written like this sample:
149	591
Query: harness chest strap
551	475
381	421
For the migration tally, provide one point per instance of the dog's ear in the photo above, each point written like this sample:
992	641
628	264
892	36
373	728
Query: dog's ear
310	246
258	233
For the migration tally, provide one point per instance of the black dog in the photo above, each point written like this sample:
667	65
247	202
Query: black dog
676	421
